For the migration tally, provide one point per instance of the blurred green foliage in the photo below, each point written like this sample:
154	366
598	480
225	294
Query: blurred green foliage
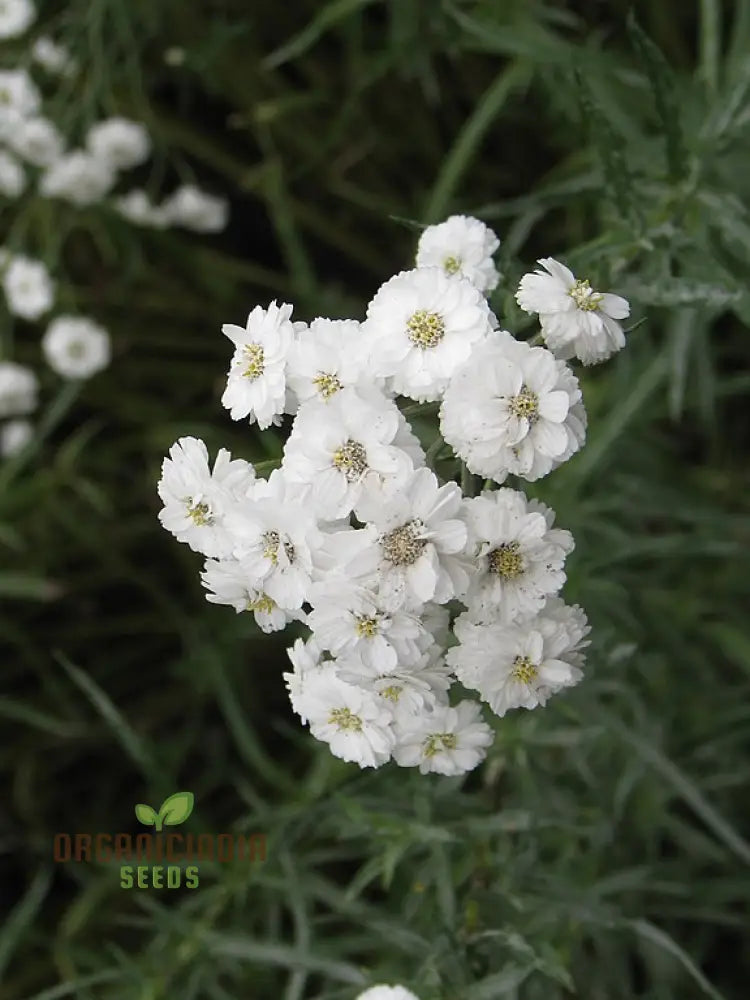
599	853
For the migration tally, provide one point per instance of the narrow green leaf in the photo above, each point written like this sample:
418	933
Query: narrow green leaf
327	18
22	916
709	43
658	937
27	587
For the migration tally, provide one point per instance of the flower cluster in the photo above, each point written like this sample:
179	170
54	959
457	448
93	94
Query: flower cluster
34	151
406	583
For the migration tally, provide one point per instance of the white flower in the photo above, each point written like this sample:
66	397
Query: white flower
195	498
53	57
525	415
355	723
12	176
28	288
421	326
276	537
118	142
137	207
78	178
256	384
446	741
37	140
523	664
518	555
417	541
229	582
382	992
15	17
410	688
192	208
307	660
348	618
18	389
19	98
76	347
327	356
576	321
344	446
461	245
14	436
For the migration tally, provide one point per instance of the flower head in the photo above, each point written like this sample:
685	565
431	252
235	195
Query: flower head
18	389
448	740
15	17
576	321
76	347
119	142
421	326
79	178
461	245
192	208
14	436
28	288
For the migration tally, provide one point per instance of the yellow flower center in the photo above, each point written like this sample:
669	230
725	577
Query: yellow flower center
345	719
327	384
524	670
262	603
351	459
403	546
254	361
425	329
451	265
525	404
271	540
506	561
367	628
584	296
199	513
437	742
392	692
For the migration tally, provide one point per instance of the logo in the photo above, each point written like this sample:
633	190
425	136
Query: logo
172	811
178	850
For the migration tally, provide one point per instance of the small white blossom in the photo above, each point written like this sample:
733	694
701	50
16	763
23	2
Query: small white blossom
119	143
446	741
18	389
15	17
196	498
28	288
417	538
519	556
137	207
12	176
327	356
79	178
256	383
229	582
192	208
421	326
348	618
53	57
76	347
576	321
355	723
461	245
345	446
525	416
410	688
14	436
19	99
38	141
523	664
381	992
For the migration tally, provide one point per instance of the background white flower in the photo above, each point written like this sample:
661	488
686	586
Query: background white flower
38	141
18	389
14	436
15	17
78	177
119	142
192	208
76	347
28	288
382	992
12	176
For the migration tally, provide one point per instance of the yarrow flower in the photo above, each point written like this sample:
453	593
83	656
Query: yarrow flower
576	321
29	289
256	384
192	208
118	142
405	586
78	177
76	347
525	416
19	387
461	245
382	992
15	17
14	436
422	325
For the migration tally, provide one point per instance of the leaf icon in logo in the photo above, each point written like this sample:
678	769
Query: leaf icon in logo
175	809
145	814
